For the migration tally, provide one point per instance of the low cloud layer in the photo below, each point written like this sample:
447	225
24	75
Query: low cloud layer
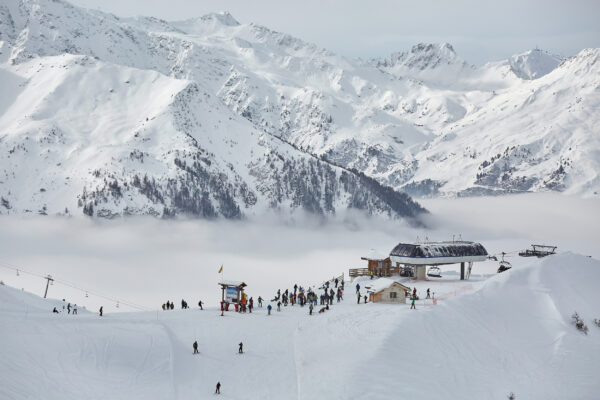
148	261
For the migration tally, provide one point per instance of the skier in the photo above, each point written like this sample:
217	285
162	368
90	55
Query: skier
414	292
218	390
74	309
200	305
241	349
428	296
310	309
357	288
269	309
371	274
365	299
358	298
100	310
336	282
278	306
55	310
69	308
196	347
164	307
260	301
412	304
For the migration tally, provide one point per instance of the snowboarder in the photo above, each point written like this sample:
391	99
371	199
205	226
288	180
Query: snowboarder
269	309
428	295
412	304
357	288
195	345
200	305
100	310
218	390
241	349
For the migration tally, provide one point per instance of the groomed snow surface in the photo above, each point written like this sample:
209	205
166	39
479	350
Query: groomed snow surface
485	338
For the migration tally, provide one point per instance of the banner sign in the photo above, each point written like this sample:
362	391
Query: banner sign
231	294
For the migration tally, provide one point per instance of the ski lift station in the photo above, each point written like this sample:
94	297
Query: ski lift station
412	259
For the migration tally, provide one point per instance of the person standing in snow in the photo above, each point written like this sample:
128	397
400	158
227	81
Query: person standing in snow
428	296
414	292
357	288
200	305
100	310
55	310
74	309
69	308
218	390
336	282
195	345
310	309
241	349
412	304
365	299
278	306
260	301
269	309
358	298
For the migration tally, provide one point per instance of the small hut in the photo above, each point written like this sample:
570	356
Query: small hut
232	292
385	290
377	263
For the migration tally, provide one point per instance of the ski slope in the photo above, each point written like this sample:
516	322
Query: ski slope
485	338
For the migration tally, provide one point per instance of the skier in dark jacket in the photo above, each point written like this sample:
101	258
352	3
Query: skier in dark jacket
55	310
357	288
241	349
278	306
269	309
195	345
200	305
218	390
100	311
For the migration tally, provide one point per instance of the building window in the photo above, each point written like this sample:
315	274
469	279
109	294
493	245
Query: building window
393	295
379	264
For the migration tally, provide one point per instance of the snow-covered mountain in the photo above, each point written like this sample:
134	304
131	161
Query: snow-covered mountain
212	117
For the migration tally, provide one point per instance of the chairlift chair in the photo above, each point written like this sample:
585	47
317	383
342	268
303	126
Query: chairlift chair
504	265
434	272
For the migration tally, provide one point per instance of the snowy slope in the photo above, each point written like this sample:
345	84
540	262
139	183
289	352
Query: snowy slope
483	339
260	105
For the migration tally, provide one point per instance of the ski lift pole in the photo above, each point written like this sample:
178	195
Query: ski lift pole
48	280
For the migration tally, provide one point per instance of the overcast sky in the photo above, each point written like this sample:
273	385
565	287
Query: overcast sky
479	30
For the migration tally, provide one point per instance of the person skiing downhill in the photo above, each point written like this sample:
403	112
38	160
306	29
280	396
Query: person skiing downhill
195	345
